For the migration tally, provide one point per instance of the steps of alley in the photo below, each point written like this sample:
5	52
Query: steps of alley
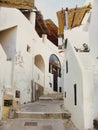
48	106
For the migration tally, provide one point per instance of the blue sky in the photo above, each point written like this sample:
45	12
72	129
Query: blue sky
49	7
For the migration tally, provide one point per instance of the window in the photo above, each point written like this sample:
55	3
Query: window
65	94
50	68
59	72
65	45
60	89
7	102
17	94
75	94
66	66
28	48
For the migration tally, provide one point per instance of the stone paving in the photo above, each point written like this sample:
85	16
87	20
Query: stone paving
39	124
42	106
19	124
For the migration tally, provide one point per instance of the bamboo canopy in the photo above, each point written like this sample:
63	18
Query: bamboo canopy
21	4
74	17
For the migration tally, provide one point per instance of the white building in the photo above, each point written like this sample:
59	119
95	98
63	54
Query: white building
81	75
29	65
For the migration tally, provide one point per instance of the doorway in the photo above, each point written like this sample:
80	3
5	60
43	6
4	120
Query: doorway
55	69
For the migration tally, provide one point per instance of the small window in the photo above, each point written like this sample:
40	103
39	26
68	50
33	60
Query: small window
59	72
65	45
50	68
65	94
28	48
17	94
75	94
66	66
7	102
60	89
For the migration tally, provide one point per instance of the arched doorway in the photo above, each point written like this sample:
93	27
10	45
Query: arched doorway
55	69
39	73
39	62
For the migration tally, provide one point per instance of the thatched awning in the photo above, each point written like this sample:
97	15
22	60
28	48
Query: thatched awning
21	4
75	17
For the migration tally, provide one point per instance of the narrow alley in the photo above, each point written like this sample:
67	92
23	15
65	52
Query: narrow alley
48	65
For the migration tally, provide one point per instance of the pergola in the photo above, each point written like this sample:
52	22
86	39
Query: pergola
74	17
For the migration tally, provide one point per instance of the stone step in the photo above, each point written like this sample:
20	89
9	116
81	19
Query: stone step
51	96
45	98
42	115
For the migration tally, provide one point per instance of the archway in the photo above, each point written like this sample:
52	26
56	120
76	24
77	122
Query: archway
39	71
39	62
55	69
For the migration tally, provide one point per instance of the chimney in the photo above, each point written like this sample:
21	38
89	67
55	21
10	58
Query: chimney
33	17
60	41
44	38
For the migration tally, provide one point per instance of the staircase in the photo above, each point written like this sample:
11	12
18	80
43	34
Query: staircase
45	114
42	115
48	106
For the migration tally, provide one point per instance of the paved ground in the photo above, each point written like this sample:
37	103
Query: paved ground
33	124
39	124
23	124
43	106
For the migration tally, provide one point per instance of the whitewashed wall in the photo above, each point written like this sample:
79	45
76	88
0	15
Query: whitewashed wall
74	76
18	38
93	32
5	70
23	75
5	79
80	72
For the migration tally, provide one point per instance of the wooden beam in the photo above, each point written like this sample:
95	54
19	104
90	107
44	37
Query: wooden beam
73	20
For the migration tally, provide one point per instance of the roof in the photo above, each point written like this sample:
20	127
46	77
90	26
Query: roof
41	26
75	17
53	31
21	4
46	27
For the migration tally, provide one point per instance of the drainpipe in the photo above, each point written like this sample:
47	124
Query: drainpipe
44	38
